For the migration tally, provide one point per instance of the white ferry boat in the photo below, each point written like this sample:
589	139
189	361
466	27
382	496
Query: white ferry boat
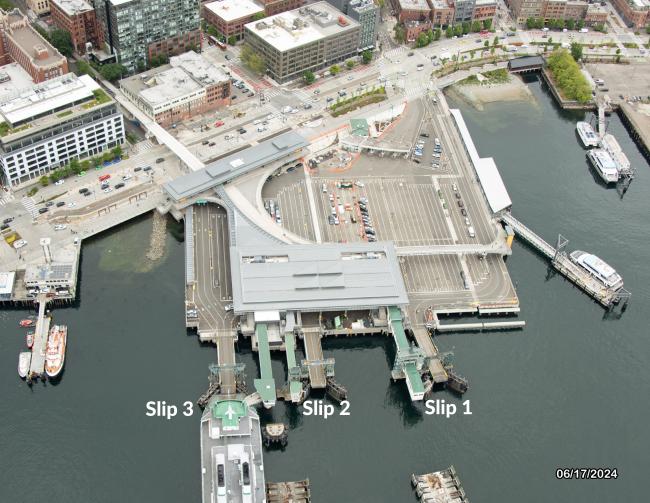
587	134
604	165
599	269
611	146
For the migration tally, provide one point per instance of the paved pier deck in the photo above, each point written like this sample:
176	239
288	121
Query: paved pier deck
226	356
37	365
314	352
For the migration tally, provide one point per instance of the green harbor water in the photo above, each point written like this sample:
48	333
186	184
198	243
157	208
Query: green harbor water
570	390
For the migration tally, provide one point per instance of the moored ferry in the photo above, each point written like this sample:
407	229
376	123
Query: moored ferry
604	165
598	269
55	353
587	135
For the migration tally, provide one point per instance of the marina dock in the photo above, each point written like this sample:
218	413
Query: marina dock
37	365
607	297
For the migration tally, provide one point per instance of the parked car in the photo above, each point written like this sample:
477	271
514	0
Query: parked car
158	161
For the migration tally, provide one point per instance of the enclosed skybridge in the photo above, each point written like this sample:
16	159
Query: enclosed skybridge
409	359
526	64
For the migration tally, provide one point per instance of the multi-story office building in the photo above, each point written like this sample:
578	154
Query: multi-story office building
189	85
524	9
412	10
78	18
309	38
555	9
137	30
52	122
636	13
230	16
596	14
19	42
366	13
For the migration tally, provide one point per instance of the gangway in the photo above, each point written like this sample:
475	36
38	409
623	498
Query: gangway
295	377
607	297
409	359
226	364
601	119
265	385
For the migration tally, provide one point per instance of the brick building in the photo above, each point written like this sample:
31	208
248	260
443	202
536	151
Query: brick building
484	9
442	12
230	16
596	14
39	7
189	85
636	13
19	42
78	18
273	7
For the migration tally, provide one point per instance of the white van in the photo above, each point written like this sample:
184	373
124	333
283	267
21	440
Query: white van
470	231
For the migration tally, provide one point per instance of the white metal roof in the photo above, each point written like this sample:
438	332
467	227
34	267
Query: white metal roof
486	169
6	282
229	10
50	95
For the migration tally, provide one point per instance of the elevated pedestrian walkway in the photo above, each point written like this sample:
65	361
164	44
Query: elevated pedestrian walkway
409	359
294	377
265	385
39	348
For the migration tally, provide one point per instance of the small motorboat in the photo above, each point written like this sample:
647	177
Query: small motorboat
24	359
29	339
26	323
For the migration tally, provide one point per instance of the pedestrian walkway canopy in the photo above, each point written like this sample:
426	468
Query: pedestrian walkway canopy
234	165
486	169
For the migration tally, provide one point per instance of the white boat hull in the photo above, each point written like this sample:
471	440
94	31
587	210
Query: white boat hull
24	360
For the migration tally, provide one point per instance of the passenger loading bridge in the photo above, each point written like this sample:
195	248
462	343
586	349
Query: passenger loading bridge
607	297
409	360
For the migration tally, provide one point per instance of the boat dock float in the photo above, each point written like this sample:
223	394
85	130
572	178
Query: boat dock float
439	487
336	390
39	349
481	326
283	492
275	433
607	297
457	383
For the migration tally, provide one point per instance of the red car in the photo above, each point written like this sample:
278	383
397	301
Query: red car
104	177
219	123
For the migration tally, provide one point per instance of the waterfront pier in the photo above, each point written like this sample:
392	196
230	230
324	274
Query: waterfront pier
441	487
607	297
314	358
39	349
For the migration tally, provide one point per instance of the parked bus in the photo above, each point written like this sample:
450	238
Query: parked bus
217	42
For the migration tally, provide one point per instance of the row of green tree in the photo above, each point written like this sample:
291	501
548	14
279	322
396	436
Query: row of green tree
467	27
366	57
426	37
555	24
74	167
568	77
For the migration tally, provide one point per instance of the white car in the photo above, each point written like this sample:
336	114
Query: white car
359	184
107	190
60	227
59	182
126	177
72	205
20	243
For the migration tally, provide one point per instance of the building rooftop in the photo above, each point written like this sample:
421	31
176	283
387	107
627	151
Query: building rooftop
50	272
6	282
485	2
235	165
316	277
42	54
72	7
230	10
640	4
302	26
46	97
14	78
414	5
184	75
